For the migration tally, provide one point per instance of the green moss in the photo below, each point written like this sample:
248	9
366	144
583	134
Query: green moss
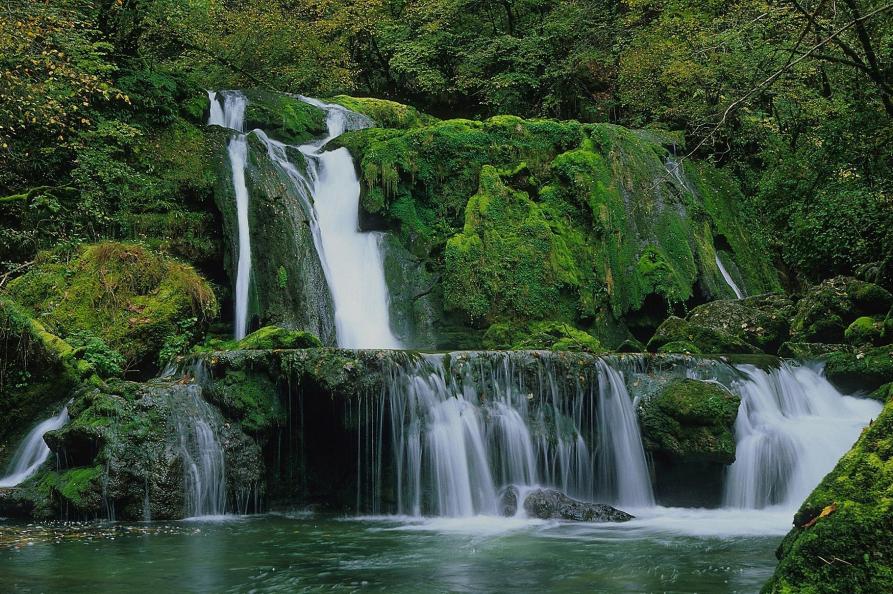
827	309
249	397
842	540
704	339
76	487
555	336
691	421
679	346
123	293
860	370
384	113
865	331
274	337
284	118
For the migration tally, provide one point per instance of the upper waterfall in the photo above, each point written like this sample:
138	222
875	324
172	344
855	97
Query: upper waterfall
352	259
728	278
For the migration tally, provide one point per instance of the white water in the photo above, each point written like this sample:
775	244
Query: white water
203	458
231	114
728	278
791	430
352	260
463	426
33	451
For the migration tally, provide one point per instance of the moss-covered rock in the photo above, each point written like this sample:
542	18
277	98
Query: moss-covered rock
866	330
703	339
806	351
133	298
762	321
555	336
691	420
284	118
842	540
827	309
862	370
525	220
384	113
683	347
274	337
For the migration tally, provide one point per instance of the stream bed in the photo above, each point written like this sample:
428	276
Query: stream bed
663	550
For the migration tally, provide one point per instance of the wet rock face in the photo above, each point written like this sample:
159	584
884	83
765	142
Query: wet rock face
547	504
827	309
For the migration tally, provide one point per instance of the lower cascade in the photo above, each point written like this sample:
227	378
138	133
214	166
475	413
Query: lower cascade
203	458
33	451
450	433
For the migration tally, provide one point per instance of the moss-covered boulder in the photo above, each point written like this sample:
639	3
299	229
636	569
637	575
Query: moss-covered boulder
691	421
274	337
807	351
283	117
526	220
129	447
762	321
384	113
687	426
133	298
38	371
554	336
842	540
703	339
860	370
827	309
867	330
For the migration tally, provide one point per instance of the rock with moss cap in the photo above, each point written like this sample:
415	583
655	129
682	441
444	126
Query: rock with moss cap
860	370
867	330
705	340
283	117
384	113
807	351
274	337
842	540
691	420
827	309
761	320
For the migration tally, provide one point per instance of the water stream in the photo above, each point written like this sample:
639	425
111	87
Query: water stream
33	451
728	278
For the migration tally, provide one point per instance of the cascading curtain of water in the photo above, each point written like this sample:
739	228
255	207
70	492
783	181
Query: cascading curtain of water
203	457
33	451
792	427
230	113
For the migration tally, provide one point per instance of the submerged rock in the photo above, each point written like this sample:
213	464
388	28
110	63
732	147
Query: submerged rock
547	504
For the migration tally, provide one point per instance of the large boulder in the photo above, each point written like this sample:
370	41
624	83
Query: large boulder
134	299
842	539
762	320
685	336
860	370
688	427
548	504
283	117
827	309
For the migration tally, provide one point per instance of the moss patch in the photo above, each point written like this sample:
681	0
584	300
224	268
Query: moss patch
284	118
384	113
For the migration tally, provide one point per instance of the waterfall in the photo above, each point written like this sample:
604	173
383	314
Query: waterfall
33	451
461	427
791	430
728	278
202	455
231	114
352	259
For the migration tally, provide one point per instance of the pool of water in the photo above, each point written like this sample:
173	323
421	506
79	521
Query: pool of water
663	550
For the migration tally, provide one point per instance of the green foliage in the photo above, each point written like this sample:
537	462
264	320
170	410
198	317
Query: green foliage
282	277
131	298
106	361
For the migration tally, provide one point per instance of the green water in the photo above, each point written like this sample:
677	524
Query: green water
276	553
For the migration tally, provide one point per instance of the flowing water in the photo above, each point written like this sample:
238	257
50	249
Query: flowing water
230	113
203	459
33	451
728	278
306	553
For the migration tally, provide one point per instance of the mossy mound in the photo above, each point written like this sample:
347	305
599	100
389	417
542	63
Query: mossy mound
384	113
132	298
807	351
827	309
860	370
554	336
274	337
705	340
867	330
38	371
284	118
842	540
527	220
762	321
691	421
